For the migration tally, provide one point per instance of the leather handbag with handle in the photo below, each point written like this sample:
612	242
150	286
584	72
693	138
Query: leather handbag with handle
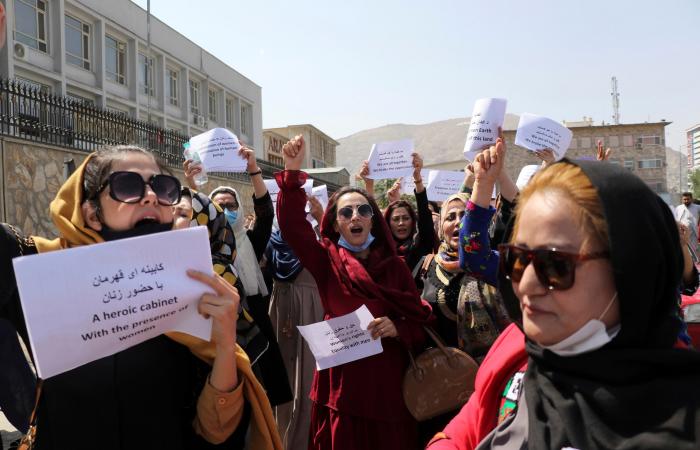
439	380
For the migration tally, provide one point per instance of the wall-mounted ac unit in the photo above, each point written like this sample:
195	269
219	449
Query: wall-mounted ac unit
20	51
638	145
200	121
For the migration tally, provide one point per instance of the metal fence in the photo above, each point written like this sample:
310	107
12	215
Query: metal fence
28	113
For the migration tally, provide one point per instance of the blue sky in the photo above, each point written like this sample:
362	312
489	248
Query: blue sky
352	65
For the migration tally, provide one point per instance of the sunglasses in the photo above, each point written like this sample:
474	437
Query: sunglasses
553	268
130	187
363	210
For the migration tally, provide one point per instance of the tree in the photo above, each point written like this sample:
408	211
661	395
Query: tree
695	182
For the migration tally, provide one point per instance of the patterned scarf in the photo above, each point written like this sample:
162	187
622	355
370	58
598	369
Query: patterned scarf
447	258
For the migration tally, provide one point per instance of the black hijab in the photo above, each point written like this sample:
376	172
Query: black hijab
637	392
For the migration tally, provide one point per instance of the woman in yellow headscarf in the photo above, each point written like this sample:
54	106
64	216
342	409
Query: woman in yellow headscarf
171	392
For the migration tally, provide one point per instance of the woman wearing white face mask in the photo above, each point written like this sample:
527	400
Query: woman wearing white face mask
261	343
595	363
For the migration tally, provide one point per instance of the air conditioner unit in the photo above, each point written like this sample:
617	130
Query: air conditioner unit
638	145
20	51
200	121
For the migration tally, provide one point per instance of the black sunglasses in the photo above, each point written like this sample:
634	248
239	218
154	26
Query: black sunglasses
554	269
363	210
130	187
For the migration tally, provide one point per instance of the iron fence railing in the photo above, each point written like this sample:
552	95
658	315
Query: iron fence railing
28	113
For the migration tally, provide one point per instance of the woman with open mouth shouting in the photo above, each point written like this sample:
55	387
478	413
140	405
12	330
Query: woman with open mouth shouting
358	404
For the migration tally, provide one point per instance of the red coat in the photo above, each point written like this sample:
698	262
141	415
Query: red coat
480	415
369	388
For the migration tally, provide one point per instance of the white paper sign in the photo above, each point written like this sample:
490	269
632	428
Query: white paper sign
321	193
525	174
97	300
487	117
539	133
407	184
342	339
443	183
274	190
391	159
218	149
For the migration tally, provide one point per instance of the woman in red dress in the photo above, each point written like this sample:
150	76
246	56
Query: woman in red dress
358	405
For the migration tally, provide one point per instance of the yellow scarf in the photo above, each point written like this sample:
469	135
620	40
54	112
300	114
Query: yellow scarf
66	213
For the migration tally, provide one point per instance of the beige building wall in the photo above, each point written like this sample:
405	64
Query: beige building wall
34	173
272	147
320	147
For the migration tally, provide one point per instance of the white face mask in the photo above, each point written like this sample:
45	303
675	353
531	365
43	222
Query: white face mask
589	337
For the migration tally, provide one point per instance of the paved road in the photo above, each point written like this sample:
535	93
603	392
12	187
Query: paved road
8	432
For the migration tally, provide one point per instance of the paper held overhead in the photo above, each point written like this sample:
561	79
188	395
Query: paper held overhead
443	183
526	173
391	159
105	298
218	149
487	117
537	133
408	186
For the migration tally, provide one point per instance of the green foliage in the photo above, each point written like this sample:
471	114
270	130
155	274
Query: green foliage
380	188
695	182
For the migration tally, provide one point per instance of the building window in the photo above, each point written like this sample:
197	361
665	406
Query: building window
80	100
574	143
77	43
194	97
627	141
30	23
316	164
649	164
146	85
649	140
229	113
613	141
275	159
115	60
629	164
213	105
246	120
172	88
38	87
585	142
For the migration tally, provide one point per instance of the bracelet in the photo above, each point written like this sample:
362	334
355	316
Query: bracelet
258	172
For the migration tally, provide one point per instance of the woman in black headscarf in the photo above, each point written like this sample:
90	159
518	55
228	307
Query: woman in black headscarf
595	262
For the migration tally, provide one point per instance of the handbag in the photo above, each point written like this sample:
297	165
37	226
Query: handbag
439	380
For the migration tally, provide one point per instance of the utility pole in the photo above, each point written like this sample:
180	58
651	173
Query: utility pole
148	68
616	102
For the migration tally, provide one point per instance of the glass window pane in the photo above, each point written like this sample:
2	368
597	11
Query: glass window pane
25	19
73	41
72	22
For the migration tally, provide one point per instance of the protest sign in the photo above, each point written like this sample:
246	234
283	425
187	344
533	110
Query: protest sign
407	184
391	159
443	183
342	339
97	300
321	193
218	149
274	189
538	133
526	173
487	117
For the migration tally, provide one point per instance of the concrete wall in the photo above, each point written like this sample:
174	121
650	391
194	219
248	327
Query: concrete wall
33	173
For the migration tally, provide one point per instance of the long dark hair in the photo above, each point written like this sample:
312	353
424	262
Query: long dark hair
330	217
401	204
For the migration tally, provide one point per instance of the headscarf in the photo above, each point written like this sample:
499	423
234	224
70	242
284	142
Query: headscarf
404	247
284	264
66	213
384	276
448	257
637	392
246	262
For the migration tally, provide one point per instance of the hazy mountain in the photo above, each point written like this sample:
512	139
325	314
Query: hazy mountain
436	142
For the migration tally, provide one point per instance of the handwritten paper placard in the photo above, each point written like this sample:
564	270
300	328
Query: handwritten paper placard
391	159
488	115
538	133
321	193
342	339
526	173
97	300
443	183
274	190
218	149
407	184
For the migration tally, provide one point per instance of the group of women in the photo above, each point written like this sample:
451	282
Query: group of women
567	296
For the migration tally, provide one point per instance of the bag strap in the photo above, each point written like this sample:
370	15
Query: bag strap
426	264
418	266
28	440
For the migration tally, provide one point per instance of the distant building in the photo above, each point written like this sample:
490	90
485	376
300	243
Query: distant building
95	52
693	139
320	152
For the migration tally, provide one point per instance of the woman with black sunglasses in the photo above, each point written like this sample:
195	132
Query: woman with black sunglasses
595	361
170	392
357	405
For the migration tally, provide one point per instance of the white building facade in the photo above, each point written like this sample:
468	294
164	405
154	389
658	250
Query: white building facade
96	51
